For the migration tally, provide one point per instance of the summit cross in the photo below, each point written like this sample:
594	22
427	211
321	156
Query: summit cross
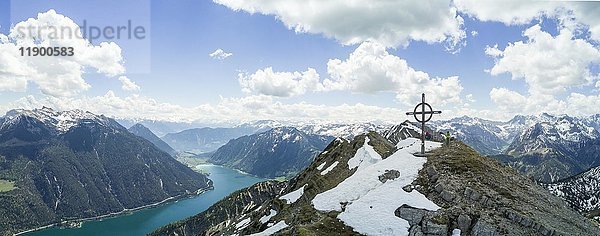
423	119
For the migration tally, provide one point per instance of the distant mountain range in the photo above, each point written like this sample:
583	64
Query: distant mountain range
202	140
278	152
208	139
369	186
141	131
546	147
74	164
530	144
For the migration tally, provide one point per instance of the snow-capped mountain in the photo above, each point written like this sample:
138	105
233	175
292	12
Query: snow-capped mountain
208	139
562	133
487	137
369	186
324	128
59	121
407	129
582	192
554	147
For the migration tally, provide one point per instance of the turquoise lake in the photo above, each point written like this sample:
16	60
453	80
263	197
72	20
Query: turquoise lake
144	221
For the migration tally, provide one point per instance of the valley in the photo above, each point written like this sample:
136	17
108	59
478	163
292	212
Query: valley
141	222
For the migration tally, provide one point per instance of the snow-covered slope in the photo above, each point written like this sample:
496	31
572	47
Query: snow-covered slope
582	191
405	130
367	203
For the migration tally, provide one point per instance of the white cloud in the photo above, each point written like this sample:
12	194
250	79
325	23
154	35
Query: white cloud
391	23
127	84
55	76
510	12
571	14
280	84
548	64
470	98
220	55
508	100
580	104
586	13
510	103
474	33
370	69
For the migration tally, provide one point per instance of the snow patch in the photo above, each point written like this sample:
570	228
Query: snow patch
365	156
369	203
242	224
320	167
273	229
330	168
266	218
293	196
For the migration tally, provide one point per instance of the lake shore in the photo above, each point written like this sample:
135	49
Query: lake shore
122	212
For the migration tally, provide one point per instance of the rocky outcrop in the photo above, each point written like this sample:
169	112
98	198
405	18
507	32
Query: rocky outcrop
479	196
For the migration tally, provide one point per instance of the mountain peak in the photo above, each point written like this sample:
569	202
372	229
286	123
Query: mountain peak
142	131
61	121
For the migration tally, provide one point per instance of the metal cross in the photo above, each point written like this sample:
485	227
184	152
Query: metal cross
423	112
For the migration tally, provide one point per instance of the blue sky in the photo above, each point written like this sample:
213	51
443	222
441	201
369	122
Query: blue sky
172	65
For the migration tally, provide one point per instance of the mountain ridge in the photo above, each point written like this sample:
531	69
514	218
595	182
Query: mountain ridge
475	204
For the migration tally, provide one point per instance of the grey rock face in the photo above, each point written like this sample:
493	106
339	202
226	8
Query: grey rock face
447	196
430	228
389	175
482	228
414	216
464	222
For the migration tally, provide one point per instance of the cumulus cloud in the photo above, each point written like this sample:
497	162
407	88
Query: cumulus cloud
220	55
280	84
391	23
548	64
370	69
470	98
508	100
510	103
571	14
54	76
510	12
586	14
127	84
